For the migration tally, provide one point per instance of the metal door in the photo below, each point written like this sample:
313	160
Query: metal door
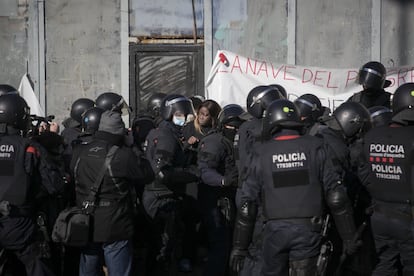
170	69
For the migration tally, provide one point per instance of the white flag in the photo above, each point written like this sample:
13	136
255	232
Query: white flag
27	92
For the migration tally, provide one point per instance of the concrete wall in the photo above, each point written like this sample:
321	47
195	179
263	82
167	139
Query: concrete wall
333	33
13	42
83	55
397	33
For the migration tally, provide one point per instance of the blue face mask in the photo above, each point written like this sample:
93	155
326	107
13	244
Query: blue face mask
178	121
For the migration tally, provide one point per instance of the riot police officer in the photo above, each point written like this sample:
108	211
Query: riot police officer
310	111
112	101
197	100
90	124
294	178
342	139
154	106
164	199
217	189
387	172
282	91
140	128
372	76
380	115
73	125
6	89
252	130
25	182
251	134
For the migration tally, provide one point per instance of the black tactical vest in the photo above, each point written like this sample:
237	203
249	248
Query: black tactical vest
291	188
390	156
163	149
382	98
15	184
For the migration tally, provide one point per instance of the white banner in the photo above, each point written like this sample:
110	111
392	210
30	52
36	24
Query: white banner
232	77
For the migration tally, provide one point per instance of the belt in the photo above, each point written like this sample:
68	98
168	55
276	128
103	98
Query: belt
101	203
314	222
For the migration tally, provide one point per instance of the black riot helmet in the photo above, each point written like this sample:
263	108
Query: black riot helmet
112	101
229	120
141	126
14	111
259	98
79	107
380	115
351	118
7	89
309	107
197	100
91	119
230	115
283	113
372	75
175	103
280	89
154	104
403	103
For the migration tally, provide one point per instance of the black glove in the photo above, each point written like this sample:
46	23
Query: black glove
237	257
350	247
230	178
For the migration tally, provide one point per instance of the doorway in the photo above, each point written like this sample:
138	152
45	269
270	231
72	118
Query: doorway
166	68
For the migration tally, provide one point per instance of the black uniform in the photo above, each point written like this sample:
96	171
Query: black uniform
215	161
388	176
362	262
372	97
250	136
25	182
188	131
70	133
164	199
293	176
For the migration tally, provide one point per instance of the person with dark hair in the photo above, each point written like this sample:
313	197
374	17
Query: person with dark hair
386	170
372	76
205	120
293	177
217	188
